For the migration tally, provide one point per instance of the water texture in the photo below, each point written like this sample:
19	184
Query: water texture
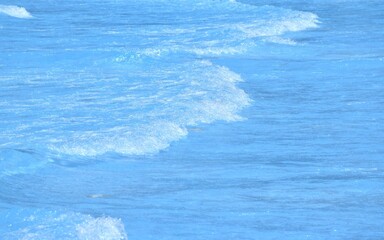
204	119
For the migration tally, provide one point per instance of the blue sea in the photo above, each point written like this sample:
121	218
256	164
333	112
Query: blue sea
191	119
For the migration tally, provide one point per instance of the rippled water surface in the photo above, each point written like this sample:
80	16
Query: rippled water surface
191	119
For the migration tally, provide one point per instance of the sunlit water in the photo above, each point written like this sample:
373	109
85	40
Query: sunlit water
191	119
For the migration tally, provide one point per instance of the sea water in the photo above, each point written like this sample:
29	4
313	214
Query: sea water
191	119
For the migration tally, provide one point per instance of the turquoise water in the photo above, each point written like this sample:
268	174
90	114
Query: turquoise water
191	119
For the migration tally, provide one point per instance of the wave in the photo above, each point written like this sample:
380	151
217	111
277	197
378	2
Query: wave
204	94
143	112
140	88
37	224
218	36
15	11
20	161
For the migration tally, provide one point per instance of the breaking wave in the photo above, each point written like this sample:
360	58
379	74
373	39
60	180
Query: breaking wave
37	224
141	88
15	11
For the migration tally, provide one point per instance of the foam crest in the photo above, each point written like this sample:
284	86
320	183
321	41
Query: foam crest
280	40
140	90
37	224
204	94
218	36
137	140
103	228
15	11
291	21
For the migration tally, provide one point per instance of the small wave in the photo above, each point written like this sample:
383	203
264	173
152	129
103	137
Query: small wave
20	161
280	40
15	11
290	21
235	37
101	228
37	224
205	94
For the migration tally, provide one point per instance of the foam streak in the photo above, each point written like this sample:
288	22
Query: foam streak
15	11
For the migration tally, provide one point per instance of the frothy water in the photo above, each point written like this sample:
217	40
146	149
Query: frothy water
142	100
190	119
37	224
15	11
123	83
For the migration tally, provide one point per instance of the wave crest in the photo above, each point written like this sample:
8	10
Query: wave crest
205	94
15	11
37	224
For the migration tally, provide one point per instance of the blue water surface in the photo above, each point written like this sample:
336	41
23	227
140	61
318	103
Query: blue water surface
191	119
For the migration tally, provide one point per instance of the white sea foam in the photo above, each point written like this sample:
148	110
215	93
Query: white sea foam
138	140
41	224
102	228
292	21
215	38
148	96
179	99
280	40
15	11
